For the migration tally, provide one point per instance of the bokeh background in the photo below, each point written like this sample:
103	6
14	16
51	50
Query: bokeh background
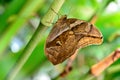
20	18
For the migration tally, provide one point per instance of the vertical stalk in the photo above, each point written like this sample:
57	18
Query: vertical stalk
57	4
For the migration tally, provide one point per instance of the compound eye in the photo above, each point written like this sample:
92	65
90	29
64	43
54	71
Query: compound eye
58	43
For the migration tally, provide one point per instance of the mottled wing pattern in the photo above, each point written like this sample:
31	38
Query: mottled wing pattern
68	35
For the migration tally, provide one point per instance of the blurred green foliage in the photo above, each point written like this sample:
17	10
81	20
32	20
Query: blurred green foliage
17	15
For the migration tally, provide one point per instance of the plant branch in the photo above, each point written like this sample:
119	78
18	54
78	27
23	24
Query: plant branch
105	63
68	66
57	4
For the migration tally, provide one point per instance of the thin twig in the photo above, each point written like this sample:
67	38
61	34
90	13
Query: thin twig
93	19
68	66
105	63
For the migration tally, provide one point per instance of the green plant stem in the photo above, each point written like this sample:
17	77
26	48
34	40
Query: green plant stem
57	4
26	12
27	52
50	15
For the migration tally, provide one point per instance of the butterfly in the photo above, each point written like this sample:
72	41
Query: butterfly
68	35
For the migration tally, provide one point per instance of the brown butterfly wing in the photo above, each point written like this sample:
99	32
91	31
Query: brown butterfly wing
68	35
